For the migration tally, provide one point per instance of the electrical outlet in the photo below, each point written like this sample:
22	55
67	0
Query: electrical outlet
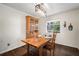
8	44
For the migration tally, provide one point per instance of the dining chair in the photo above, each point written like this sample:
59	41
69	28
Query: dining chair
51	44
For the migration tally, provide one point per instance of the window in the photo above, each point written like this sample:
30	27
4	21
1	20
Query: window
53	26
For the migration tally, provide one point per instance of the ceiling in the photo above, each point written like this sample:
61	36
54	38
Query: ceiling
52	8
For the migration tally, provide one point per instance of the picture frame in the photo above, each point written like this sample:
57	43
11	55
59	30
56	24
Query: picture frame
53	26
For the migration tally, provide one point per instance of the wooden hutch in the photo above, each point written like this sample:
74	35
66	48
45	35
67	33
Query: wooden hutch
31	26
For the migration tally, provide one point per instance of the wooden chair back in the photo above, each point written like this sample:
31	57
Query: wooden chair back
54	37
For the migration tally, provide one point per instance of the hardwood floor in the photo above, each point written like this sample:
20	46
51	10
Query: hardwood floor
16	52
60	50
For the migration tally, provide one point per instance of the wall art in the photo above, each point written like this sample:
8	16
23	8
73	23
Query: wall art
53	26
64	23
70	27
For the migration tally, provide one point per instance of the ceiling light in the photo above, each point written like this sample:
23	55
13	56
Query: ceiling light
41	9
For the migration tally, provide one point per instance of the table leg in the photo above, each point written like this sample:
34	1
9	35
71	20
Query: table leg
40	51
28	49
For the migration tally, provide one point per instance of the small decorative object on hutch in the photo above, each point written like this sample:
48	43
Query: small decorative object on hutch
70	27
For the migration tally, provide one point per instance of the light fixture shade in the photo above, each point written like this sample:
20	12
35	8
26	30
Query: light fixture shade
40	9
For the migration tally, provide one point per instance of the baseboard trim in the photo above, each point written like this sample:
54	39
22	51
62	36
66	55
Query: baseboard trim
2	52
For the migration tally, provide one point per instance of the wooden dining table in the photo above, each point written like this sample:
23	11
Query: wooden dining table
35	42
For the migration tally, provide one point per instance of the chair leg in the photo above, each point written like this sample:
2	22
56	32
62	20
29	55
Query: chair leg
53	52
48	52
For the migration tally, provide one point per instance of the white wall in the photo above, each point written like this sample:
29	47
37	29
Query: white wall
65	37
12	28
